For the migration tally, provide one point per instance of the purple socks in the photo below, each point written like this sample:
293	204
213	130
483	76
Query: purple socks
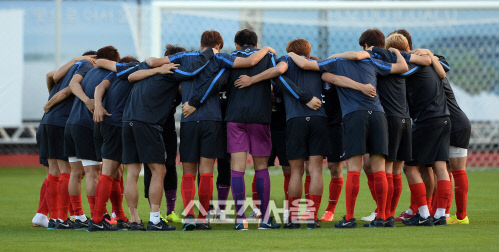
263	190
238	193
171	197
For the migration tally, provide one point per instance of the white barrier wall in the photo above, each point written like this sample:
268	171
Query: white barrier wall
11	67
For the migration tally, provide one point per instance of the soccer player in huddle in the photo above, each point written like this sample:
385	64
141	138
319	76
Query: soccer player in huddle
78	135
52	126
364	124
110	98
145	113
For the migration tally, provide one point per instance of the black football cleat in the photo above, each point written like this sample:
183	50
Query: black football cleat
390	222
101	226
343	223
137	227
123	225
442	221
67	224
203	226
377	223
313	224
160	226
81	225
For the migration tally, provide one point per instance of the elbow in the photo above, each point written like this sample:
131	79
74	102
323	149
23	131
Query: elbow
427	61
442	75
99	63
405	68
280	71
56	78
130	78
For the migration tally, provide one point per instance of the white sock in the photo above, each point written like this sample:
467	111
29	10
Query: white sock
439	213
447	215
154	217
409	211
424	212
81	217
113	215
60	220
257	211
72	217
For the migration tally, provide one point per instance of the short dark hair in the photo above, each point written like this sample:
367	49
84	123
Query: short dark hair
172	49
314	58
211	39
299	46
246	37
406	34
89	52
108	52
127	59
372	37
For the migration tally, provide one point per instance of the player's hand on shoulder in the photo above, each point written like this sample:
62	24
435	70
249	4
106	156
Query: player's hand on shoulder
243	81
368	90
187	109
393	50
167	68
270	49
422	51
314	104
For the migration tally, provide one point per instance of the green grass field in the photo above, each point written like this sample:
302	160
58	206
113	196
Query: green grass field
19	201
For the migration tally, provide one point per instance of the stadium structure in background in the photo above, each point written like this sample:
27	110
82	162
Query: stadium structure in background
465	32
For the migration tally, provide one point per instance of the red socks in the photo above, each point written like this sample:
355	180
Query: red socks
461	192
91	202
370	183
53	196
418	194
254	194
76	203
335	187
449	204
104	188
63	196
397	190
188	190
443	192
389	196
307	187
42	204
205	191
429	201
381	188
316	199
286	185
117	199
351	192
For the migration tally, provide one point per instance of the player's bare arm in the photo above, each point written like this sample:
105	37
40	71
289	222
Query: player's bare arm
106	64
252	60
77	90
352	55
342	81
304	63
57	98
157	62
422	60
246	81
100	111
50	80
64	69
434	61
400	66
146	73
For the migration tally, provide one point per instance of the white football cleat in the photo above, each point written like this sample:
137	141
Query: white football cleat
369	218
222	217
40	220
210	215
255	214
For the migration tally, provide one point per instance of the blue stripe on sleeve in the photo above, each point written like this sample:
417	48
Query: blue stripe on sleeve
285	83
224	59
443	64
79	65
381	65
193	73
182	55
107	75
124	71
243	52
121	64
326	62
410	71
212	84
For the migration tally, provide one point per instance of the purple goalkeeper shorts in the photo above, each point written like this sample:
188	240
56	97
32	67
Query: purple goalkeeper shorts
251	137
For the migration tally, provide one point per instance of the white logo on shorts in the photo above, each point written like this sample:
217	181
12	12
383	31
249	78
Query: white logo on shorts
403	120
370	112
308	118
131	124
445	122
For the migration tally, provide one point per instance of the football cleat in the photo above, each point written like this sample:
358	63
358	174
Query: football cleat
294	224
377	223
404	216
189	223
40	220
442	221
418	220
271	224
123	225
203	226
328	216
285	216
67	224
52	224
222	217
137	227
160	226
313	224
255	214
241	225
101	226
369	218
81	225
173	217
390	222
210	215
343	223
455	220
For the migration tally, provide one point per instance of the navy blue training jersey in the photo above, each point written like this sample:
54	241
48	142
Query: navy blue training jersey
80	115
210	111
309	81
278	109
363	71
392	89
425	93
59	113
117	94
331	104
151	99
